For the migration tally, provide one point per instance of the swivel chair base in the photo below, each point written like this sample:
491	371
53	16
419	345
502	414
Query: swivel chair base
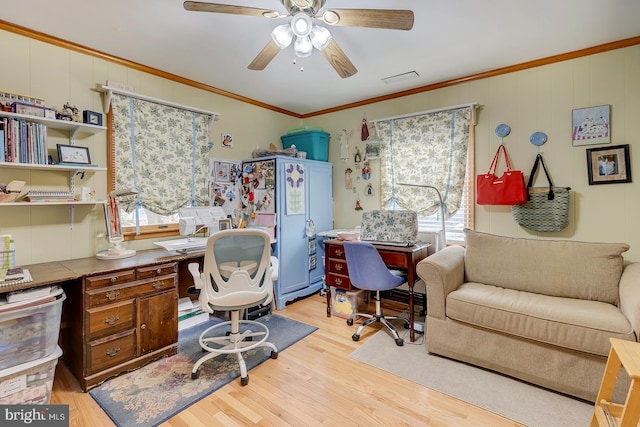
377	317
233	342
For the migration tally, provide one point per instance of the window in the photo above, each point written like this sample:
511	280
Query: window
430	149
163	152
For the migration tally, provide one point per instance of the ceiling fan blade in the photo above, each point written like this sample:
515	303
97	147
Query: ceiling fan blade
338	60
265	56
197	6
372	18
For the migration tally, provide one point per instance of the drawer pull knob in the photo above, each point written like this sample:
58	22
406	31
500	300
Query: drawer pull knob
338	267
111	319
157	285
113	279
339	252
338	281
113	351
143	326
111	295
159	271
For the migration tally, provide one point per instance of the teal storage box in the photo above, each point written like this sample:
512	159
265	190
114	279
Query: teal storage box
313	142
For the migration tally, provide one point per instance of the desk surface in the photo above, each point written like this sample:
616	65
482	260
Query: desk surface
54	272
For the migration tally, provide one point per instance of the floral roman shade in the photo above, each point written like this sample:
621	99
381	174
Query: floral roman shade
163	152
426	149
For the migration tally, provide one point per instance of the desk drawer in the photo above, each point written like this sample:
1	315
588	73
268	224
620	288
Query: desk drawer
336	251
338	266
111	279
104	354
156	271
110	319
120	293
339	281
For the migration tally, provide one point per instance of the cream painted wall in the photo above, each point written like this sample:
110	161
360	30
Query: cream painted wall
45	233
538	99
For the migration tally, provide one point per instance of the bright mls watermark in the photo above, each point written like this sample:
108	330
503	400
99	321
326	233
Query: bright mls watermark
34	415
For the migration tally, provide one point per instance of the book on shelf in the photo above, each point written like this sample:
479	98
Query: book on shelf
49	196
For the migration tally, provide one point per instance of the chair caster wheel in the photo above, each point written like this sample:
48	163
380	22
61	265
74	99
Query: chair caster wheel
195	375
274	354
244	380
406	325
350	322
355	337
399	342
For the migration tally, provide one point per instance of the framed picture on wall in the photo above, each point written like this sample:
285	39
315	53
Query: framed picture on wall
609	165
591	125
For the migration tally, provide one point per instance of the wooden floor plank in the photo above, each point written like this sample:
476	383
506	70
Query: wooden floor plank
313	382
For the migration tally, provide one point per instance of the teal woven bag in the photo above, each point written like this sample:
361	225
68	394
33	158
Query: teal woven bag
547	208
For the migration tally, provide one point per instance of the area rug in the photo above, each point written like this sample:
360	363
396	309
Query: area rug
519	401
161	389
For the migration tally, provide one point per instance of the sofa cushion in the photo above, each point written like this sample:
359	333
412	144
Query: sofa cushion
566	322
562	268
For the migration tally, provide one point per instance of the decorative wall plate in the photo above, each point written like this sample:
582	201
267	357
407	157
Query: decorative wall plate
503	130
538	138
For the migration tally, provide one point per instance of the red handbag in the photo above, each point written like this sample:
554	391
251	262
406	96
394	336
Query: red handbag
509	189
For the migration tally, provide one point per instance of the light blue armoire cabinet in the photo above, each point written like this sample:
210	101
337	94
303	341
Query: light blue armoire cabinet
299	193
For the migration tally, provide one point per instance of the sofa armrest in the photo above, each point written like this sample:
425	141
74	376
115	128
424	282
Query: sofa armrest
630	296
442	273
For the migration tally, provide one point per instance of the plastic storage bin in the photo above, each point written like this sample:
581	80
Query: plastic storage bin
313	142
29	383
30	333
346	303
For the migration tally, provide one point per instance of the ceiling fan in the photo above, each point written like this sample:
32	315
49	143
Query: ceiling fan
305	34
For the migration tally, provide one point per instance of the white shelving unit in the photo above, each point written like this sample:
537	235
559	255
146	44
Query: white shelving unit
73	128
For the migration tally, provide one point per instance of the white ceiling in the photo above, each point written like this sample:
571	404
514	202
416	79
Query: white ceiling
449	39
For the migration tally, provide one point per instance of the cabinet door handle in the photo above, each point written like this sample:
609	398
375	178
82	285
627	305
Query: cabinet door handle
143	326
113	351
338	281
339	252
111	319
111	295
338	267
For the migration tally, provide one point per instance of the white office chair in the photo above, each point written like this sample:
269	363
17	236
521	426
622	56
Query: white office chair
237	275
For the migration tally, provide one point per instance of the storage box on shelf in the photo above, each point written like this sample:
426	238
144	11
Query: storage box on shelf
29	383
31	332
313	142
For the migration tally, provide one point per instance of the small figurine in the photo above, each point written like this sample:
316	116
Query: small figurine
357	158
365	130
358	206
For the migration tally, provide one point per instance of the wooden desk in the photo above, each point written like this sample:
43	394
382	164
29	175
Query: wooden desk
119	314
405	258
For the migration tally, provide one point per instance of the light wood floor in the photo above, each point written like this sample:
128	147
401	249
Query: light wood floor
312	383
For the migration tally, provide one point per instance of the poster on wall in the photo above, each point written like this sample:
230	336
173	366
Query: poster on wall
591	125
295	188
225	185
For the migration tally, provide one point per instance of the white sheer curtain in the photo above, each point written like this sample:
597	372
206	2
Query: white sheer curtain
425	149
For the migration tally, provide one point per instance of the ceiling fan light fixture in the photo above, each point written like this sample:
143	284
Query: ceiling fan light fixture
301	24
282	35
303	47
331	17
320	37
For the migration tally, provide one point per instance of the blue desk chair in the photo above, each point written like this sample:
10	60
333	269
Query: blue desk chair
367	271
238	274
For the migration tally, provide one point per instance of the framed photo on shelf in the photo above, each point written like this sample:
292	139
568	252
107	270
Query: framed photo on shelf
591	125
224	224
609	165
73	154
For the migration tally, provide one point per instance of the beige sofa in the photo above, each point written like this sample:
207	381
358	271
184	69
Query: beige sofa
536	309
